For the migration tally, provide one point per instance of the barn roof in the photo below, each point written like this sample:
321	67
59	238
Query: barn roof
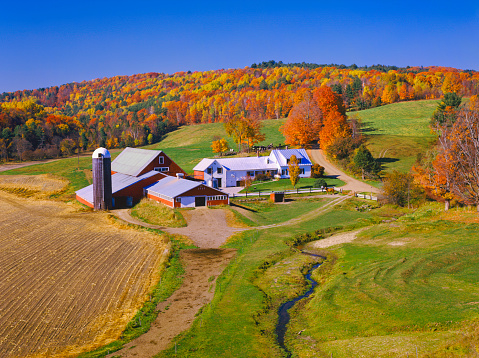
132	161
119	182
172	186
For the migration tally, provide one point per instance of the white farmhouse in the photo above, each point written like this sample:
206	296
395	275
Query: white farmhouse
228	172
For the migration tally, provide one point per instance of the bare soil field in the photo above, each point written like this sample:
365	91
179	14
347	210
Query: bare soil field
70	281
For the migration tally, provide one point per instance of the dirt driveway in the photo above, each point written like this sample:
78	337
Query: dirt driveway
352	184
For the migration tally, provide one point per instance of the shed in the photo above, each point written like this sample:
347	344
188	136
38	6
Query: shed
277	197
183	193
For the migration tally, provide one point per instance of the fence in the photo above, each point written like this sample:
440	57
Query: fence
300	191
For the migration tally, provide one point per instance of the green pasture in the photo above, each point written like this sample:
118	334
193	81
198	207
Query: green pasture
398	132
412	283
242	316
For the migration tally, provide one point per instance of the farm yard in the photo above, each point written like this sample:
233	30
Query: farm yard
71	281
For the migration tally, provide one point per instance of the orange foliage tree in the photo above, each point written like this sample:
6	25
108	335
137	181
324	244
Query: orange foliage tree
304	122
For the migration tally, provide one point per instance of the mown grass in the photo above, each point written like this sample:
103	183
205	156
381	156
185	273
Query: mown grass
241	318
398	132
285	184
155	213
266	212
401	285
189	144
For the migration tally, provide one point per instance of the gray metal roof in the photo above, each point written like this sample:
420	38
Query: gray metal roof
119	182
172	186
132	161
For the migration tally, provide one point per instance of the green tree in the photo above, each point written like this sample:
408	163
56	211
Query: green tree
364	160
294	170
445	112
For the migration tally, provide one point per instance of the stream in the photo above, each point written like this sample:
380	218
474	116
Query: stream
283	313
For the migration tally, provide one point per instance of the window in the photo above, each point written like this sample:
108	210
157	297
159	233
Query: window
162	160
178	200
250	174
219	170
162	169
301	171
209	171
284	172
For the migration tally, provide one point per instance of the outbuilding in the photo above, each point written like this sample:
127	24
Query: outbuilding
183	193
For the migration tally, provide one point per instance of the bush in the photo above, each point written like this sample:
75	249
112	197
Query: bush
317	171
262	177
320	183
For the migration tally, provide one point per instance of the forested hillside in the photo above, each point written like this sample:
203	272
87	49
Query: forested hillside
136	110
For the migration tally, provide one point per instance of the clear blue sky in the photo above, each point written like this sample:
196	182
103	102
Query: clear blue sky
46	43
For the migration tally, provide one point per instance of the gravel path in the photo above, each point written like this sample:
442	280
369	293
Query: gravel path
352	184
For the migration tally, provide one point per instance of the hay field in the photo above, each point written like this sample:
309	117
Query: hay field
38	186
70	281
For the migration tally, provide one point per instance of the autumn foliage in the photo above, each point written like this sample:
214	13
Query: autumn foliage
135	110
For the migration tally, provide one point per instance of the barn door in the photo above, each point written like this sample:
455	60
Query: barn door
200	201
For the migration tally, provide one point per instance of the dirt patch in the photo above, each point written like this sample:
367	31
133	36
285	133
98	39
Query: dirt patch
207	228
70	281
337	239
178	312
397	243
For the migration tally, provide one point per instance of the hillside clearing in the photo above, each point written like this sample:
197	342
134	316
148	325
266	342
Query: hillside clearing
70	281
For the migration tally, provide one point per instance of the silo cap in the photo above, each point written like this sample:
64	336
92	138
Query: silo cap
101	152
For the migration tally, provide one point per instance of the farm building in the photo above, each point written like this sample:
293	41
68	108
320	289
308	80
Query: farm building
227	172
183	193
135	171
127	190
135	162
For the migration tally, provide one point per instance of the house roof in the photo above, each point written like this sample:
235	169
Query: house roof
172	186
282	156
119	182
246	163
132	161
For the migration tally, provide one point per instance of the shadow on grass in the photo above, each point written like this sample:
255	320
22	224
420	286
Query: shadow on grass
387	160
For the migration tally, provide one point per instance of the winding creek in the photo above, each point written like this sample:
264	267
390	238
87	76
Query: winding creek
283	313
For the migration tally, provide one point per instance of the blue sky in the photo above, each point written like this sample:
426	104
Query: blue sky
55	42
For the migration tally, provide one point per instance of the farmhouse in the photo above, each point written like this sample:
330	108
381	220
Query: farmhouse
135	170
226	172
183	193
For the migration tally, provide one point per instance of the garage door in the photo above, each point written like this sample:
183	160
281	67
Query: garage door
200	201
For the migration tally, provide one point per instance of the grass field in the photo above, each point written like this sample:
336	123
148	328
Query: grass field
71	281
398	132
243	312
413	283
156	213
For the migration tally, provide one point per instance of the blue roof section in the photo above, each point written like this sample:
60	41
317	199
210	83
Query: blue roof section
132	161
119	182
283	154
172	186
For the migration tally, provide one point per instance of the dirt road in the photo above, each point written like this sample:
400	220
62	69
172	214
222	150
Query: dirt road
352	184
178	312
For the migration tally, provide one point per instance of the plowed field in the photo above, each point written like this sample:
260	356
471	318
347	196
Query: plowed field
69	281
